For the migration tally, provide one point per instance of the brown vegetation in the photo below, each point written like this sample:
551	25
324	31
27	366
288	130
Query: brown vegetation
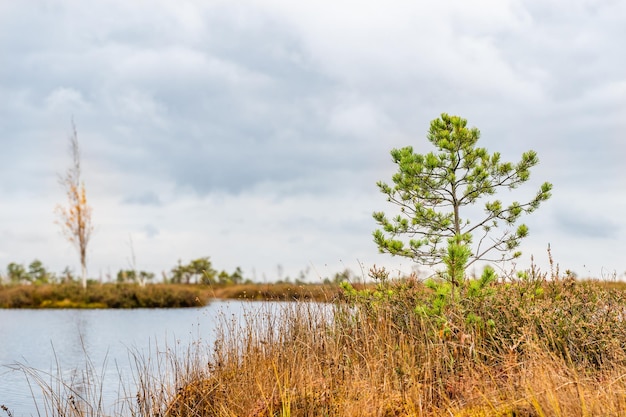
276	292
555	348
528	347
72	295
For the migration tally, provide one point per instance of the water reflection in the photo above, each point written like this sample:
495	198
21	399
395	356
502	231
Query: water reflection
78	343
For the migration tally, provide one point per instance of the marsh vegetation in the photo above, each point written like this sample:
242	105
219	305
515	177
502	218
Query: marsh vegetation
522	343
537	345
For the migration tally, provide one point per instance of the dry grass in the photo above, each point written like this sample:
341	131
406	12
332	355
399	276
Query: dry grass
532	347
275	292
72	295
556	348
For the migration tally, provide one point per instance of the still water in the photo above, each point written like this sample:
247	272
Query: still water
56	341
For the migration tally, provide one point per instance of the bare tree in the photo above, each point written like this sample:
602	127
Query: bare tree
75	218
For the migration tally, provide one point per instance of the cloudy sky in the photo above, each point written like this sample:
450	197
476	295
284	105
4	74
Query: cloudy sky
254	132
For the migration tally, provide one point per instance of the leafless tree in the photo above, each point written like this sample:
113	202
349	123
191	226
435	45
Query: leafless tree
75	217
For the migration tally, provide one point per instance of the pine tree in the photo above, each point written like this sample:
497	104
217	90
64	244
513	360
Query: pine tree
432	190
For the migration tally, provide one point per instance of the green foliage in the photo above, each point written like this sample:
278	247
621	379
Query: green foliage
455	260
579	322
446	307
381	292
224	278
432	189
38	273
237	276
35	274
16	273
133	276
199	271
446	295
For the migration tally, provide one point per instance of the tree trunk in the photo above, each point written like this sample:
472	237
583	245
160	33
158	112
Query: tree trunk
83	270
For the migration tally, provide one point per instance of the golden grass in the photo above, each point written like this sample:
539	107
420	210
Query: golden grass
71	295
534	347
275	292
555	352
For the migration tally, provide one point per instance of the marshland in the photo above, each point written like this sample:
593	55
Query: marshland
164	164
534	344
524	342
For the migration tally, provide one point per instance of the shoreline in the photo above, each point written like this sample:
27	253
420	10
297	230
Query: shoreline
129	296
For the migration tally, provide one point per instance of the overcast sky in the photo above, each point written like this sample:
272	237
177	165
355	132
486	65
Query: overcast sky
254	132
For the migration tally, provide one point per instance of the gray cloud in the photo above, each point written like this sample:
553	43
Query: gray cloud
150	231
148	198
586	225
215	106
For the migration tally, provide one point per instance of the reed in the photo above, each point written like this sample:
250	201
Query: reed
276	292
537	345
532	347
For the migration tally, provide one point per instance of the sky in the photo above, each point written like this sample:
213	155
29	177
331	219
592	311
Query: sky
254	132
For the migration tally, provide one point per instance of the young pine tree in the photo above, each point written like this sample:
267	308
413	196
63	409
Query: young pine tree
432	190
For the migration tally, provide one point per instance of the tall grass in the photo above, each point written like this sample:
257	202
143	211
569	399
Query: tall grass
78	392
534	346
276	292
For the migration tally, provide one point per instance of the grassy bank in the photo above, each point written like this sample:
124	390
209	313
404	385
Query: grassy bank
276	292
71	295
533	347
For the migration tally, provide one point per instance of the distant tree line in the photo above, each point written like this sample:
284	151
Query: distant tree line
197	271
35	273
201	271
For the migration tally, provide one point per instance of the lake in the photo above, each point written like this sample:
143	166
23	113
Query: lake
45	339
